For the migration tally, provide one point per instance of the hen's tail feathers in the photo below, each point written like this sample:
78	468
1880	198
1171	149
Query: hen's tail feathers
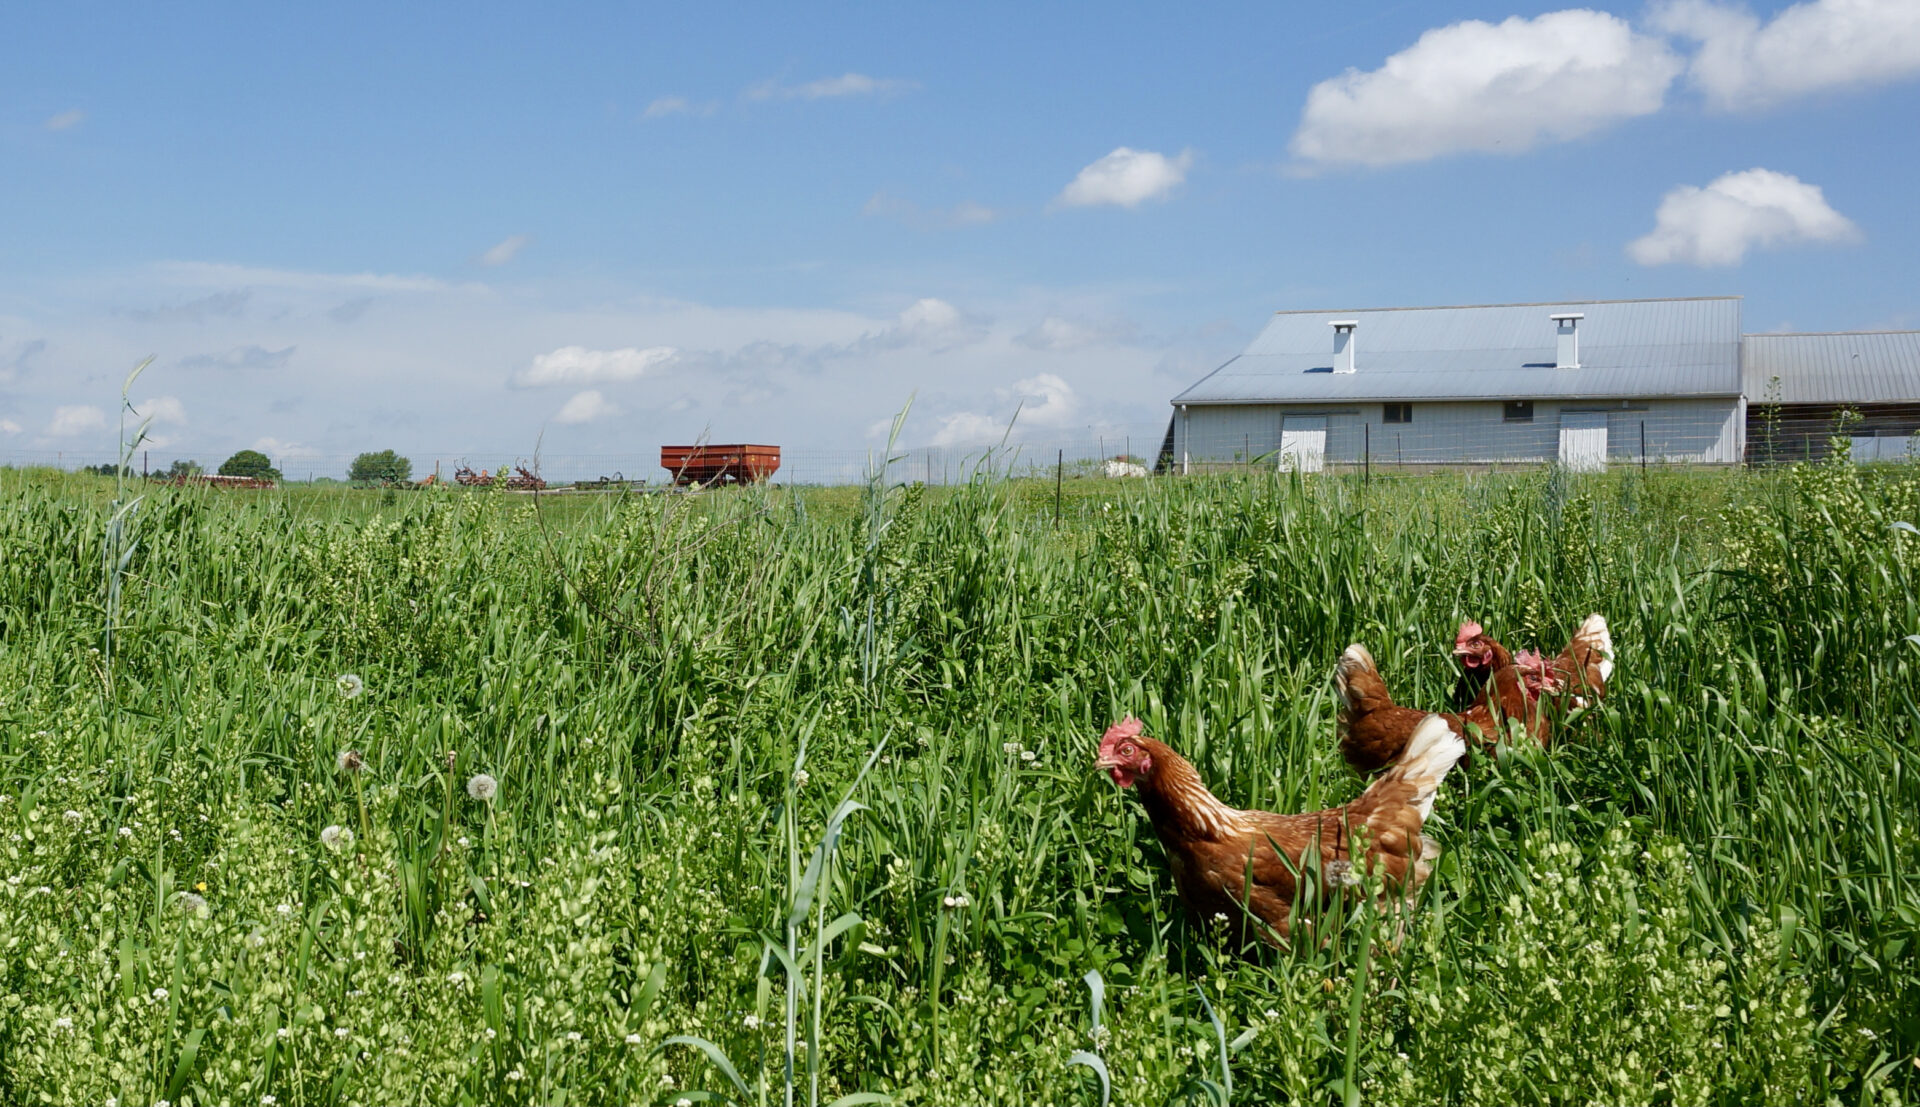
1430	753
1592	644
1359	683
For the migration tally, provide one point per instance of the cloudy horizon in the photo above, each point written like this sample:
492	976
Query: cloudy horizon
788	240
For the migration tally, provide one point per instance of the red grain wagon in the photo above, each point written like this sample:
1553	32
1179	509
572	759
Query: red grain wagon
730	464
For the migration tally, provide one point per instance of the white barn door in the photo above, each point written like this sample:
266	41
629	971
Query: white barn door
1583	441
1303	443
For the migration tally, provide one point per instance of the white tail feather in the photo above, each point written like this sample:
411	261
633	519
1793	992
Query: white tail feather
1430	754
1353	659
1595	629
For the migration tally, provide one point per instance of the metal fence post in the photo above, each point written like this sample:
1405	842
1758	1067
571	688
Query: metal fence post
1366	452
1059	474
1643	447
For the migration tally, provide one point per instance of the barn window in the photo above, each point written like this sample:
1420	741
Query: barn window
1396	413
1519	411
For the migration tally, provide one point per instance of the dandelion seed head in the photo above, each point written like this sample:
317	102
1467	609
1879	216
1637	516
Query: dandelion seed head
482	787
191	903
349	761
336	838
349	684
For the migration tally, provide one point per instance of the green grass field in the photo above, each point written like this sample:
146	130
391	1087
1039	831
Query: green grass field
1708	893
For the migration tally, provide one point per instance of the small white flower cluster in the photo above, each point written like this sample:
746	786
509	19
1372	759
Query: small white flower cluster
800	778
957	901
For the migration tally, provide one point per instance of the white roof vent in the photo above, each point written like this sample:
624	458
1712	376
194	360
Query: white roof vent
1567	327
1343	334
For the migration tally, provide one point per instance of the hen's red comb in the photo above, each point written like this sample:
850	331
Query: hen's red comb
1128	727
1469	630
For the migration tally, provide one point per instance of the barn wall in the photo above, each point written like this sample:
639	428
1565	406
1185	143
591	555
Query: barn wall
1708	430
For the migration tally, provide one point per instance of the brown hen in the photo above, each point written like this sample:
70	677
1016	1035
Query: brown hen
1225	859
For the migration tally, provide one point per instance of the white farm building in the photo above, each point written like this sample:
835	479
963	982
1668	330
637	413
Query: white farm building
1579	382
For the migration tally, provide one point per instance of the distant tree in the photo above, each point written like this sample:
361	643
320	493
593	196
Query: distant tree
249	463
105	469
384	467
183	468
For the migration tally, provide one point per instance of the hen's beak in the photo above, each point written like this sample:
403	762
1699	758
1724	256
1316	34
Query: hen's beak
1105	762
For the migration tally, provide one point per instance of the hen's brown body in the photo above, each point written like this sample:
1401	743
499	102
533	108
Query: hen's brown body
1223	857
1374	731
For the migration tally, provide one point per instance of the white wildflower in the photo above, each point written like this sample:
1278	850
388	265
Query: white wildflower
284	1033
341	1031
1028	755
159	994
482	787
800	778
190	903
284	909
349	685
63	1023
752	1022
456	977
336	838
125	832
573	1035
74	816
515	1074
633	1039
268	1100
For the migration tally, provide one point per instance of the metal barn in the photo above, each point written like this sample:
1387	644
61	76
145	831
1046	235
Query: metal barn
1584	383
1799	384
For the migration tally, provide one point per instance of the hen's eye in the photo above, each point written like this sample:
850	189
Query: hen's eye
1126	751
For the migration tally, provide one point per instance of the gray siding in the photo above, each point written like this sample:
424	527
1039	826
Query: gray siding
1697	430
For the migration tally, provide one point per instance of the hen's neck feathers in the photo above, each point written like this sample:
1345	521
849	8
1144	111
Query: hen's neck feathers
1174	793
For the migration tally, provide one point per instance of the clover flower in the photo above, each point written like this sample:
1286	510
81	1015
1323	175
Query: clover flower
350	685
482	787
336	838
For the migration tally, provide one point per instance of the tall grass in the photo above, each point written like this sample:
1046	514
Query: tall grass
796	803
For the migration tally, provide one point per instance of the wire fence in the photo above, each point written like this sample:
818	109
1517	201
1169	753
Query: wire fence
1237	441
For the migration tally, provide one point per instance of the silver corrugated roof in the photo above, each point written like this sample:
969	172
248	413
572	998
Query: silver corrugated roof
1860	367
1628	349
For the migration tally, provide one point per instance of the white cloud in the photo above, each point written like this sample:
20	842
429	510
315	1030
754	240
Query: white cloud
828	88
8	426
202	274
240	357
679	105
1056	334
585	407
163	409
579	365
1497	88
505	250
1126	178
76	419
1041	401
967	213
1806	48
72	117
928	323
279	451
1718	224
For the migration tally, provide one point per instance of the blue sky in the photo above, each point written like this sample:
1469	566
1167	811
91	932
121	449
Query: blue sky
451	233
